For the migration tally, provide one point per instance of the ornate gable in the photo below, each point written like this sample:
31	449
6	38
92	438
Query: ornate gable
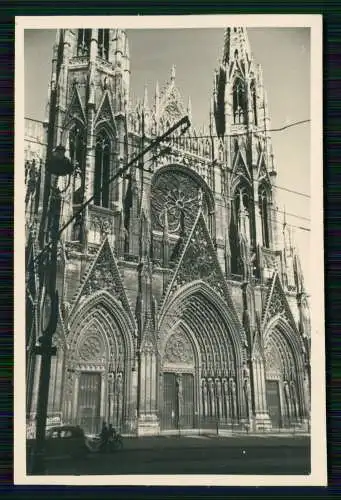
262	172
105	112
103	274
240	165
75	109
277	304
199	262
172	107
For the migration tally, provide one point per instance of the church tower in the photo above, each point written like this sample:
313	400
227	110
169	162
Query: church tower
86	112
243	124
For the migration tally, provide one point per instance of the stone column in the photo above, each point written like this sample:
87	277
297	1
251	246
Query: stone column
262	419
104	394
35	382
148	423
75	396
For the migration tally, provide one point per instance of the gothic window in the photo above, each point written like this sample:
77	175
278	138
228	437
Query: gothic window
177	194
103	44
239	104
83	42
264	212
102	170
254	103
77	155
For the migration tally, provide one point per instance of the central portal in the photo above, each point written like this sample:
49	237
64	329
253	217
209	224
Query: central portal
178	401
89	401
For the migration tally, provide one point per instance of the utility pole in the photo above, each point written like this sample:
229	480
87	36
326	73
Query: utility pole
139	308
58	165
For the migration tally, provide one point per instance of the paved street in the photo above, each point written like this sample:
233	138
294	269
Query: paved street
196	455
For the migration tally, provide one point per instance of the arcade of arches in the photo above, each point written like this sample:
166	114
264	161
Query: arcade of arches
197	376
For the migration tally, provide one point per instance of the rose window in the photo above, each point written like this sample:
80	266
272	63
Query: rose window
178	196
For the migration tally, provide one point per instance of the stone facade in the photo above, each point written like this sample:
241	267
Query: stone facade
182	303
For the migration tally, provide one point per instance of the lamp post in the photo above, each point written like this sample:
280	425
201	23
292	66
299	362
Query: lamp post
58	165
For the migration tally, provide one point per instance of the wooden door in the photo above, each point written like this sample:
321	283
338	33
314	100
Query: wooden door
89	402
170	414
273	401
187	401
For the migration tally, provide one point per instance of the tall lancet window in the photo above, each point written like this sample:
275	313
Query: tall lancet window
102	170
242	202
239	108
264	212
254	103
77	147
103	44
83	42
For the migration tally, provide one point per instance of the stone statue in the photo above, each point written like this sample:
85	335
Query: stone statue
233	398
212	395
294	399
225	387
247	389
218	394
204	395
287	398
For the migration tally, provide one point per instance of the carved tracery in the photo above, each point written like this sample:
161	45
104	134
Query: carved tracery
178	350
179	195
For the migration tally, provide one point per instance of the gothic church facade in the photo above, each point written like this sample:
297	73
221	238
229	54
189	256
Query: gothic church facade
182	301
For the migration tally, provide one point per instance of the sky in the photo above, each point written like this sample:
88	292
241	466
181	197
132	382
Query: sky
284	54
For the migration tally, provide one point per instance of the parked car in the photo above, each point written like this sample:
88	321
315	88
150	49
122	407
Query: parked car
65	440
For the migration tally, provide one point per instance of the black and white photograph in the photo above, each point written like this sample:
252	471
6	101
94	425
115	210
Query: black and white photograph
169	251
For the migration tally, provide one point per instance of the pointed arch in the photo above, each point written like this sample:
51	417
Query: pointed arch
103	43
211	333
208	301
253	92
76	145
106	302
239	101
280	327
103	150
264	193
83	42
99	364
284	362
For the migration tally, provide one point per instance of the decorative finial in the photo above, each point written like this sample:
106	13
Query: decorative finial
284	218
173	73
145	97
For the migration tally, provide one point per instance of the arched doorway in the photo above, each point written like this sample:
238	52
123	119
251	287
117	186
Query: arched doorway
179	368
99	364
284	375
201	359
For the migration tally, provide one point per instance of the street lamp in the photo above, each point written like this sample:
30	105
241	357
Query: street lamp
60	166
57	165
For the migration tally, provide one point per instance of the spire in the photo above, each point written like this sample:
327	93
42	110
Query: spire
173	73
236	45
145	97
